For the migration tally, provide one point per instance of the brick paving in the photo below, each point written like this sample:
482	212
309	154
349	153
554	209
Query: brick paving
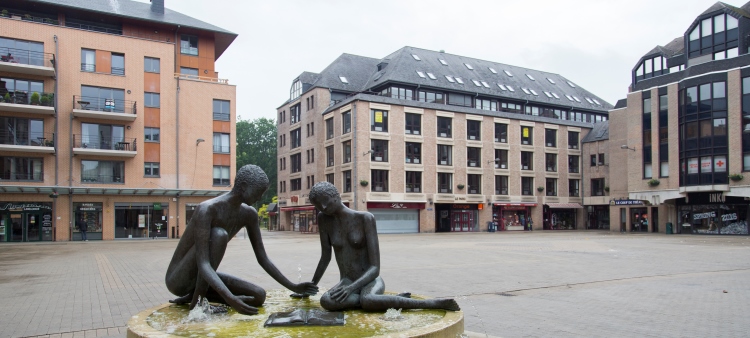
541	284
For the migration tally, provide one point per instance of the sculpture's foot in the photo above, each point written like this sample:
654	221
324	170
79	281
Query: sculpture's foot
182	300
448	304
404	294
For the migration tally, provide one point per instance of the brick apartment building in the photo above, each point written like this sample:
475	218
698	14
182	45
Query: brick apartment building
430	142
107	108
680	142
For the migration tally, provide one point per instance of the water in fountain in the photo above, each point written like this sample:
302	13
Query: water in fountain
393	314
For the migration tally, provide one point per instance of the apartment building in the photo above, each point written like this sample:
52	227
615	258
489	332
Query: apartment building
680	142
107	110
429	142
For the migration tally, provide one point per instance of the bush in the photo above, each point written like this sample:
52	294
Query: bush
35	98
45	100
653	182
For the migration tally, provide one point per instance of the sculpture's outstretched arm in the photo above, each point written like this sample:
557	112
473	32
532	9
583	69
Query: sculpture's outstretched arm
325	249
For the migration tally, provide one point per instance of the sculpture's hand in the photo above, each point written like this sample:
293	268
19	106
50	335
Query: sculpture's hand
306	288
340	294
240	306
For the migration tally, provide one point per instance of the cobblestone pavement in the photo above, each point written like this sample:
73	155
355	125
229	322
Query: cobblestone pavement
541	284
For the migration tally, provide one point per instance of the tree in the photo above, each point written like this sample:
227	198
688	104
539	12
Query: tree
256	144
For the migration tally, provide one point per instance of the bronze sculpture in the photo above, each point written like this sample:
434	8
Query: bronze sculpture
192	271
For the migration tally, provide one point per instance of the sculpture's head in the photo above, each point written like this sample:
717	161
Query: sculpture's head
251	182
325	198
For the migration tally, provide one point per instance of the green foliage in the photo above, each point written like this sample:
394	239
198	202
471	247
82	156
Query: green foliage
45	100
256	144
35	98
263	211
736	177
7	97
653	182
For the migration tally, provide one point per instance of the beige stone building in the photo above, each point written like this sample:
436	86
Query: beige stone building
113	114
431	142
680	142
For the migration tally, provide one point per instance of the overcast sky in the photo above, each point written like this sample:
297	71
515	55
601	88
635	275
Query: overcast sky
594	43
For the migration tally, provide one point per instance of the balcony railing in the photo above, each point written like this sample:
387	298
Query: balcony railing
29	17
26	57
26	138
221	116
23	97
104	104
105	143
16	176
93	28
201	78
221	149
88	178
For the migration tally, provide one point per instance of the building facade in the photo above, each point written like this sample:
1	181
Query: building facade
105	113
434	142
681	138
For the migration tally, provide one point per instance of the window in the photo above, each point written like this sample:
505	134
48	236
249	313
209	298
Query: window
413	152
492	70
573	188
527	186
601	159
329	156
501	158
443	62
100	136
444	125
550	137
413	181
190	73
118	64
551	187
646	134
21	131
430	97
347	151
329	178
572	140
445	183
431	76
282	186
310	102
343	80
103	171
105	99
151	169
310	155
460	100
151	65
501	132
221	143
746	123
379	150
151	100
346	122
329	129
501	185
527	160
473	130
296	160
663	136
713	35
413	124
574	164
551	162
474	183
379	180
347	181
593	160
508	73
88	60
296	184
450	79
703	134
310	181
296	90
398	93
21	169
459	80
510	107
221	110
296	137
527	135
474	157
379	120
295	113
23	52
445	154
189	44
151	134
597	187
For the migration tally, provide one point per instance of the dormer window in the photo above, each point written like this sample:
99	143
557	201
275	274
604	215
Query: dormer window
714	35
651	67
296	90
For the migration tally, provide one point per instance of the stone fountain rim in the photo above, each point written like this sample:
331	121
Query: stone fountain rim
450	325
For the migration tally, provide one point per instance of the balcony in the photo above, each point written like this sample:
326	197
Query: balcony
27	142
22	61
23	102
104	146
104	109
102	178
201	78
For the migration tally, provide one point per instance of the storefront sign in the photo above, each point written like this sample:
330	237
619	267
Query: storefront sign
25	206
464	206
728	217
457	198
388	205
704	215
628	202
141	221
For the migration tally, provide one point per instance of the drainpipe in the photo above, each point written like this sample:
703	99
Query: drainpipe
177	135
71	139
54	139
355	154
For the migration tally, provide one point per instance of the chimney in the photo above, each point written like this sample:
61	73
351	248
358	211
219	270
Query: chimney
157	6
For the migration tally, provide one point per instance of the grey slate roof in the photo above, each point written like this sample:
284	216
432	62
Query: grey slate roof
402	68
720	5
142	11
600	132
621	103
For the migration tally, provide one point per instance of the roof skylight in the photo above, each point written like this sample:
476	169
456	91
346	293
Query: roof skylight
597	102
534	92
458	79
530	77
485	84
450	78
343	79
551	81
493	70
421	74
577	99
548	94
476	83
555	95
508	73
443	62
510	88
588	99
569	97
432	76
526	91
416	57
502	87
571	84
468	66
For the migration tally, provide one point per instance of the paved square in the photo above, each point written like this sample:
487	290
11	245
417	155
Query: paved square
540	284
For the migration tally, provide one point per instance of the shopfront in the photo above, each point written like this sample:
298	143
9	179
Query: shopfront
396	218
512	216
26	222
713	214
301	219
639	220
561	216
141	220
91	213
457	217
598	217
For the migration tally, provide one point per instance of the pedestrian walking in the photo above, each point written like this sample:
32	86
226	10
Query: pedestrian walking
82	227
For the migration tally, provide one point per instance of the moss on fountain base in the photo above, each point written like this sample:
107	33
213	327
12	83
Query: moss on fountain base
166	320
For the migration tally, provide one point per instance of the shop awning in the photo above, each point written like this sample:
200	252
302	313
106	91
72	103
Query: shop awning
61	190
515	204
309	207
272	209
564	206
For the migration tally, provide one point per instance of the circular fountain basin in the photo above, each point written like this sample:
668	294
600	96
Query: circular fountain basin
169	320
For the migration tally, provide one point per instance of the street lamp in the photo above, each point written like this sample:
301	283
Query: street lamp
625	146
